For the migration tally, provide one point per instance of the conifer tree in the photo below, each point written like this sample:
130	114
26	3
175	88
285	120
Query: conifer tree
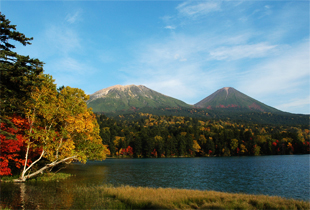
19	73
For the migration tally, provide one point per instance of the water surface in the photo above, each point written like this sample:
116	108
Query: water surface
285	176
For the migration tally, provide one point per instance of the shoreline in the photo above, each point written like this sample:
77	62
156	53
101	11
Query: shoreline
172	198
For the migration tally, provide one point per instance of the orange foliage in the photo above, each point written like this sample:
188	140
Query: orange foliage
127	151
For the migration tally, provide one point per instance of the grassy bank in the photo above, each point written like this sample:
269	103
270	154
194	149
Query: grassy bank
43	177
167	198
56	195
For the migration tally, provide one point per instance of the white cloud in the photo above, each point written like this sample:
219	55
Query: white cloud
296	104
70	71
62	39
194	9
283	75
242	51
72	18
71	65
170	27
277	69
178	66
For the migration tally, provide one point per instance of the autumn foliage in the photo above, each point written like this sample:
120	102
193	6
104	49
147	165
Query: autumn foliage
167	136
13	150
41	126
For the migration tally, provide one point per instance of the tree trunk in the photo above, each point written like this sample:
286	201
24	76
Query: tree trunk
23	178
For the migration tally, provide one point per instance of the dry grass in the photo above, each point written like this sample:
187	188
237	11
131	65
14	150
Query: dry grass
167	198
54	195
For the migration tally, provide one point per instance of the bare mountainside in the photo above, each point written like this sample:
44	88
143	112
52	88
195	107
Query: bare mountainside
229	98
130	97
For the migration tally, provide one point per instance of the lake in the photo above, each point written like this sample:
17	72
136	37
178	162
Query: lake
285	176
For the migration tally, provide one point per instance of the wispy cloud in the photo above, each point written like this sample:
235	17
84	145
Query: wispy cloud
178	66
62	39
170	27
72	18
285	74
73	66
242	51
70	71
195	9
296	104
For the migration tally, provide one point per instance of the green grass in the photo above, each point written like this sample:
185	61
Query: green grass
50	177
44	177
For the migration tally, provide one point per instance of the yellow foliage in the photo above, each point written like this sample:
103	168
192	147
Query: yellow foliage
196	146
203	139
243	149
60	121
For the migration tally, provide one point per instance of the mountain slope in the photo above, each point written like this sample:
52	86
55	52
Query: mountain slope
231	98
130	97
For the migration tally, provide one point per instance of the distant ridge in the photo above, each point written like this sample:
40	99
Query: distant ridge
130	97
231	98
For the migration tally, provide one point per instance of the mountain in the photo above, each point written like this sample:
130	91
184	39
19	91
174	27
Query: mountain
232	99
130	97
225	104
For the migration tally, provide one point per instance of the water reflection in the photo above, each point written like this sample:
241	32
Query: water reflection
286	176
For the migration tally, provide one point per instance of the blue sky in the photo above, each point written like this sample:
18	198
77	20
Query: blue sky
183	49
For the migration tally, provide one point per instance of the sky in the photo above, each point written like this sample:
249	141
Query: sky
183	49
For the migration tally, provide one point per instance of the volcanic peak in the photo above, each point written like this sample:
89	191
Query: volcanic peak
103	92
229	97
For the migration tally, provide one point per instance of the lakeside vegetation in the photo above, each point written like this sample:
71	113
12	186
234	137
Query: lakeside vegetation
46	177
126	197
148	135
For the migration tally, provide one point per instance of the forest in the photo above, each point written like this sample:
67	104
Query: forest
147	135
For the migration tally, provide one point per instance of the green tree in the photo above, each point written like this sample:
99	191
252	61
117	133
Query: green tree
19	73
181	145
159	144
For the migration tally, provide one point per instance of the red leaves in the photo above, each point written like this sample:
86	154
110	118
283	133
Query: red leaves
127	151
154	153
11	150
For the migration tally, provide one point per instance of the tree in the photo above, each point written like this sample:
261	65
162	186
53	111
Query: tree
159	144
19	73
62	126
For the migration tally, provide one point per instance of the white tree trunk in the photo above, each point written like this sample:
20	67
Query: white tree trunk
23	178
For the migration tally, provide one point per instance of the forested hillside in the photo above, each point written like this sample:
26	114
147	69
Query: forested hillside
148	135
225	114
